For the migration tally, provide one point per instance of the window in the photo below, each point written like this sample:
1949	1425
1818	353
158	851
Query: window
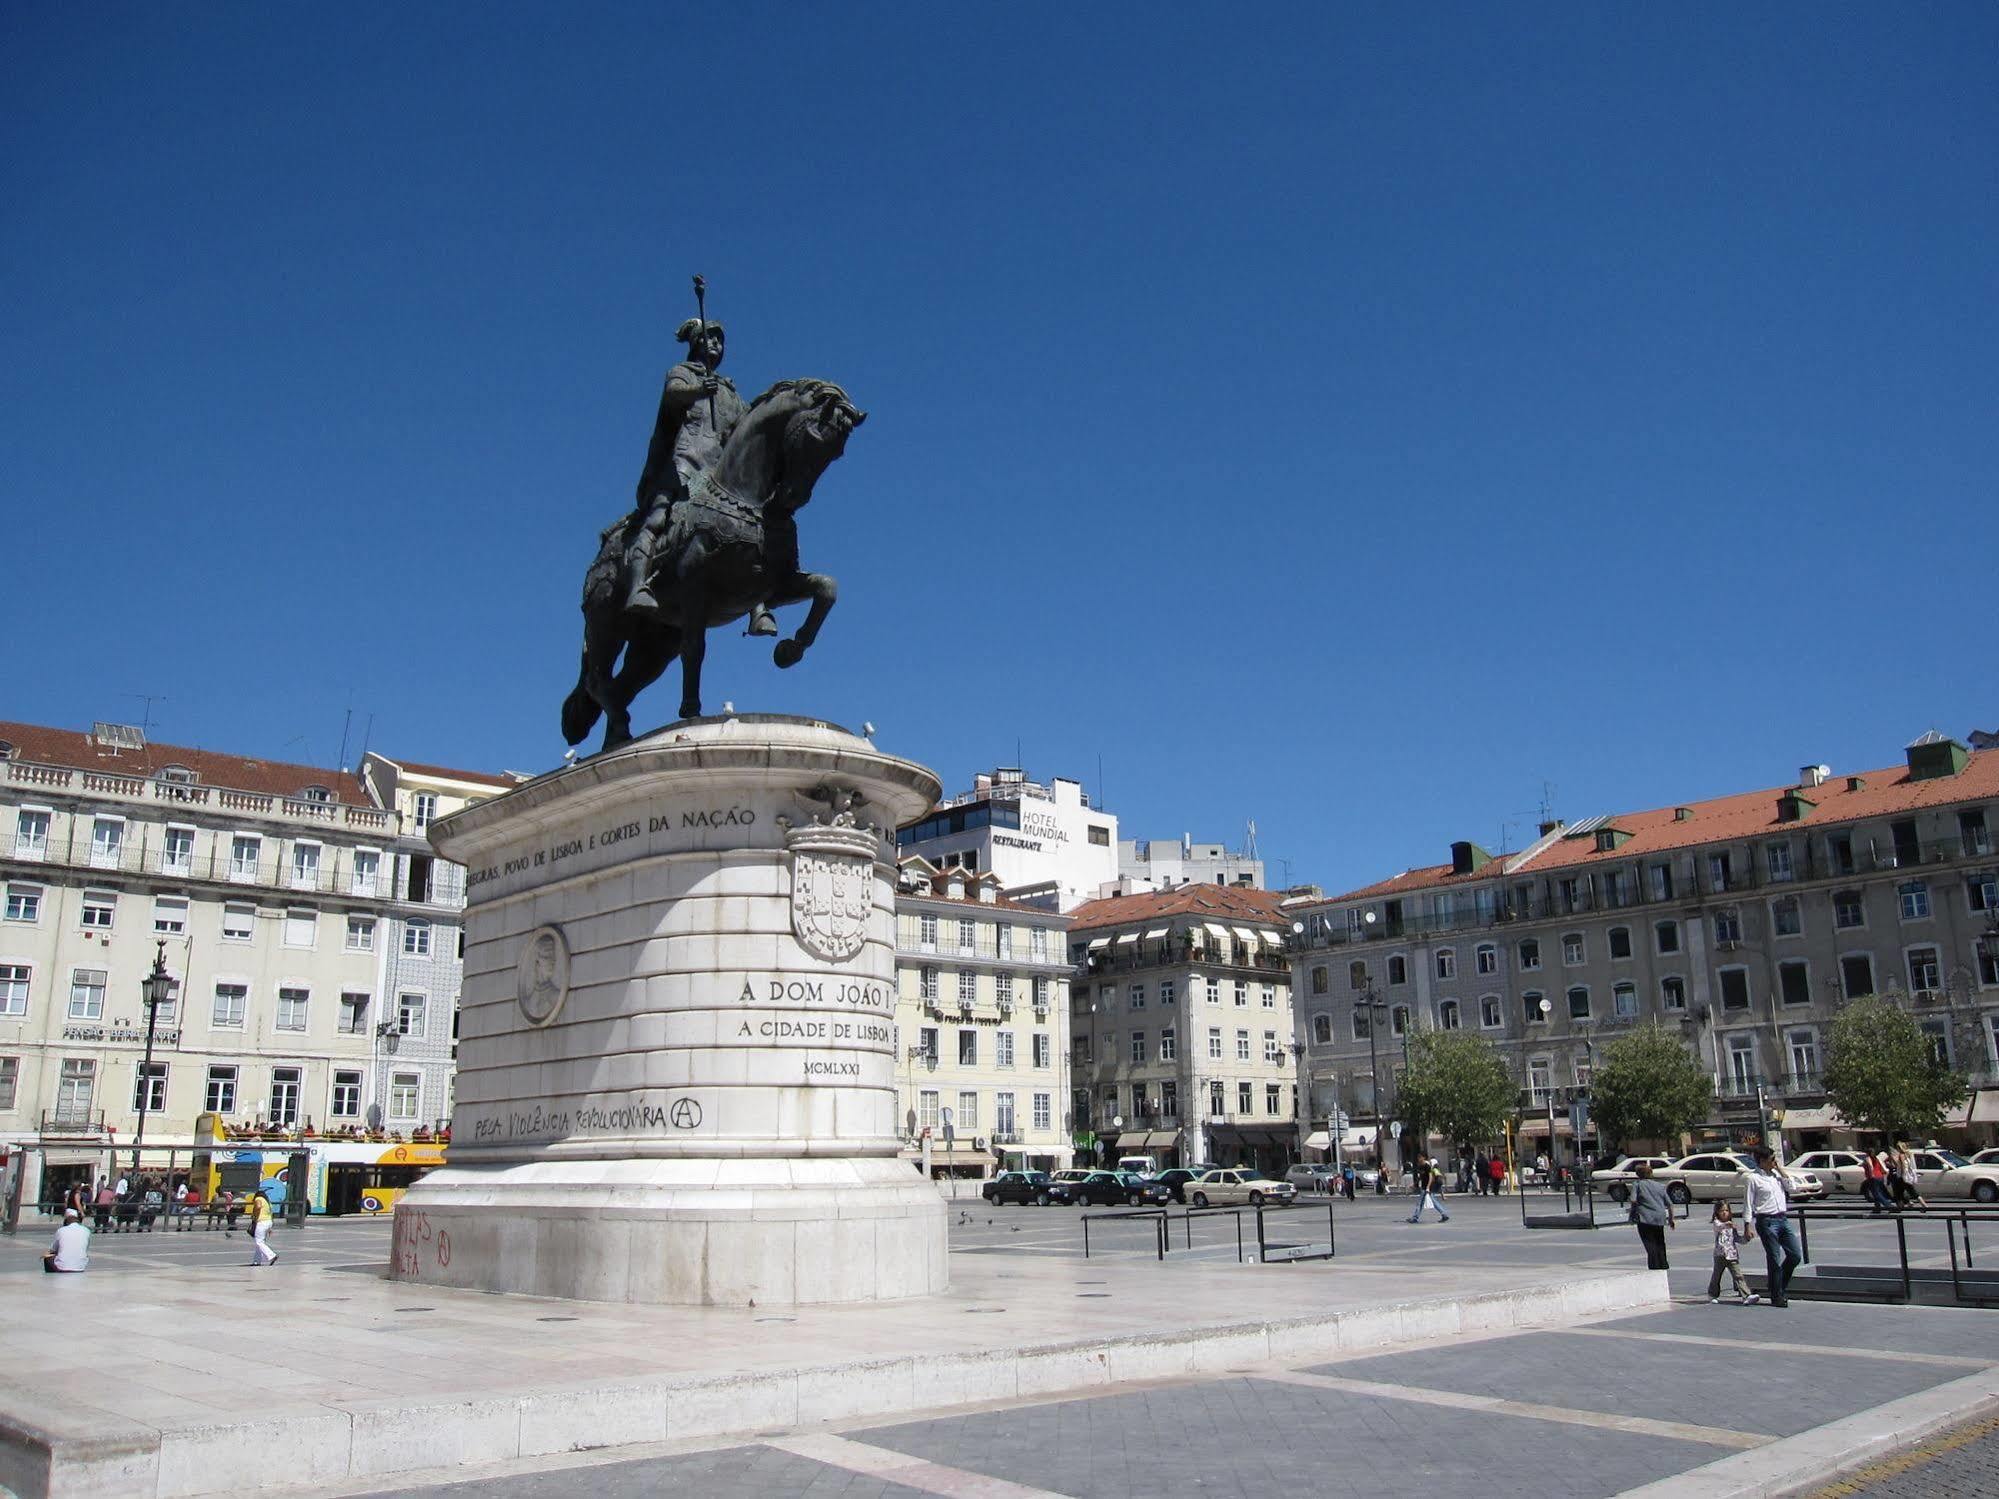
416	883
361	934
926	931
1003	1048
1003	936
1720	872
1660	877
1398	969
1574	949
346	1095
926	984
416	938
100	907
403	1090
238	922
1272	1052
1319	976
1915	898
1848	910
1734	988
1727	929
1137	993
1785	918
1003	990
1937	1033
24	903
1044	1111
1245	1098
177	851
1579	1003
232	1003
1356	975
1794	982
1487	958
1538	1070
1169	1098
1217	1100
245	854
968	1112
1003	1115
1242	1046
1620	942
1971	832
1041	993
1214	1043
86	994
1742	1063
10	1080
423	808
967	935
301	926
1169	1045
1530	1007
1398	1021
1138	1046
1672	993
31	835
149	1088
367	871
13	990
1777	859
305	866
1241	995
353	1014
968	1048
285	1083
412	1015
1804	1047
1447	1015
1624	1001
1447	963
1100	836
1361	1025
1982	889
1490	1016
1272	1099
1042	1049
291	1009
1666	936
1530	955
107	842
1856	975
1214	991
1924	971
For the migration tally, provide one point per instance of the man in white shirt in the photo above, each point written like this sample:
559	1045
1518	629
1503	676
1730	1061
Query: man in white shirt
1766	1204
70	1253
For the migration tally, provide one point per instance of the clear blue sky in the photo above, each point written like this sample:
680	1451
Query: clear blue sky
1351	423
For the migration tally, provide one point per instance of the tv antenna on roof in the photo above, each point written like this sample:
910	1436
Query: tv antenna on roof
148	698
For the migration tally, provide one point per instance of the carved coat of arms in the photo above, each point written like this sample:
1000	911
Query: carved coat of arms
832	878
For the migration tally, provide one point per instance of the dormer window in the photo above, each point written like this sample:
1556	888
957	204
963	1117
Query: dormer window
180	775
316	794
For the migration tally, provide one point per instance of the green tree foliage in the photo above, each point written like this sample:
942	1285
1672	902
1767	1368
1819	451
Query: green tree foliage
1456	1085
1650	1087
1881	1073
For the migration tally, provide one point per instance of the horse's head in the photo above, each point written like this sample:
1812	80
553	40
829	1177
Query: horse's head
815	418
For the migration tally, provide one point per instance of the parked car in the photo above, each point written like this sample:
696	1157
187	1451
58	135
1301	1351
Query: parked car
1233	1187
1986	1157
1841	1170
1945	1173
1175	1178
1064	1185
1143	1191
1099	1189
1719	1173
1019	1187
1314	1178
1615	1180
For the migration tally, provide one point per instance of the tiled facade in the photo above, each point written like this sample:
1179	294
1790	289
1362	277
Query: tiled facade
982	1020
1743	923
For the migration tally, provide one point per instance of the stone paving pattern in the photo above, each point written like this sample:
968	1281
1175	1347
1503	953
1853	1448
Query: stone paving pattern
1963	1464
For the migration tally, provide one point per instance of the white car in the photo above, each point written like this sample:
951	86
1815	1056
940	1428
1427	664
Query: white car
1989	1156
1231	1188
1945	1173
1615	1181
1716	1174
1842	1170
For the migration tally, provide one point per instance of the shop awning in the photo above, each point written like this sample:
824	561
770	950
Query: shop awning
1822	1116
1250	1133
1158	1139
1244	934
1158	933
1275	939
1319	1140
1985	1106
1127	937
1099	942
1220	933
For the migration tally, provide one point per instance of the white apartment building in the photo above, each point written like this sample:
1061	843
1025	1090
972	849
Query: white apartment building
1167	862
1046	844
982	1023
424	950
270	886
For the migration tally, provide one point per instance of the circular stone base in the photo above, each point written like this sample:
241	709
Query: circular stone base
678	1232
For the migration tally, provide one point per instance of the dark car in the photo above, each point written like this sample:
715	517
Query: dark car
1143	1191
1018	1187
1175	1178
1098	1189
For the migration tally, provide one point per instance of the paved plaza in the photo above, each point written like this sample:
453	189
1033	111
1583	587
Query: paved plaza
1582	1402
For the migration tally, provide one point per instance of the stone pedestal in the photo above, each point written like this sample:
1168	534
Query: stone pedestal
676	1059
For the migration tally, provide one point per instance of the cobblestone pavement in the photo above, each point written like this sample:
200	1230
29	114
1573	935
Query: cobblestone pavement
1957	1465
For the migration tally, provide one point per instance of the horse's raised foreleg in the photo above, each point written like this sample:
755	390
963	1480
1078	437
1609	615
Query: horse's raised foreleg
823	592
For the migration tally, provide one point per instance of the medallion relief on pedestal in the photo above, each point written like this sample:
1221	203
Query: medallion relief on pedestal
541	975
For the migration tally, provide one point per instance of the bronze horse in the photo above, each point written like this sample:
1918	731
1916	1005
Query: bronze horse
731	543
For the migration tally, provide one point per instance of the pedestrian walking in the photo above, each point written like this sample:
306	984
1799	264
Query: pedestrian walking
1481	1170
70	1253
1347	1175
1541	1168
1874	1182
1904	1175
261	1253
106	1200
1766	1203
1498	1170
1425	1187
1728	1237
1652	1212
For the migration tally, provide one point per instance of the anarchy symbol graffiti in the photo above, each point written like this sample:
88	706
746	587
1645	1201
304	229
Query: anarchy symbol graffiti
685	1114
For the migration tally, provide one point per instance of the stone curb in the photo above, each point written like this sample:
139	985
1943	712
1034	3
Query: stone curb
354	1440
1797	1464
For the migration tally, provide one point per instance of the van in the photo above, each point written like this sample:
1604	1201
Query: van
1144	1165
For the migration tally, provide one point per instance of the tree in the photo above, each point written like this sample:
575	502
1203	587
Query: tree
1650	1087
1882	1074
1456	1085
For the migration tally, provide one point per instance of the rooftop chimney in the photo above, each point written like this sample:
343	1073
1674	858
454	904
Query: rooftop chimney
1814	775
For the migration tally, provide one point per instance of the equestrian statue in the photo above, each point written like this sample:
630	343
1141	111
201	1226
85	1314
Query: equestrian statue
713	536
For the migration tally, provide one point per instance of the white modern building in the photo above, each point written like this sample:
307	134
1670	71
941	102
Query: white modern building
1044	843
1167	862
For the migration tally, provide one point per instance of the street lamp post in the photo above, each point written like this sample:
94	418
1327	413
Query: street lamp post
158	989
1375	1007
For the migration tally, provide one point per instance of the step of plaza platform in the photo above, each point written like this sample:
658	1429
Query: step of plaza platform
182	1381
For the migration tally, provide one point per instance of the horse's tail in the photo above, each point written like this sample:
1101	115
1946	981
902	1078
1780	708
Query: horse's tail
580	710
